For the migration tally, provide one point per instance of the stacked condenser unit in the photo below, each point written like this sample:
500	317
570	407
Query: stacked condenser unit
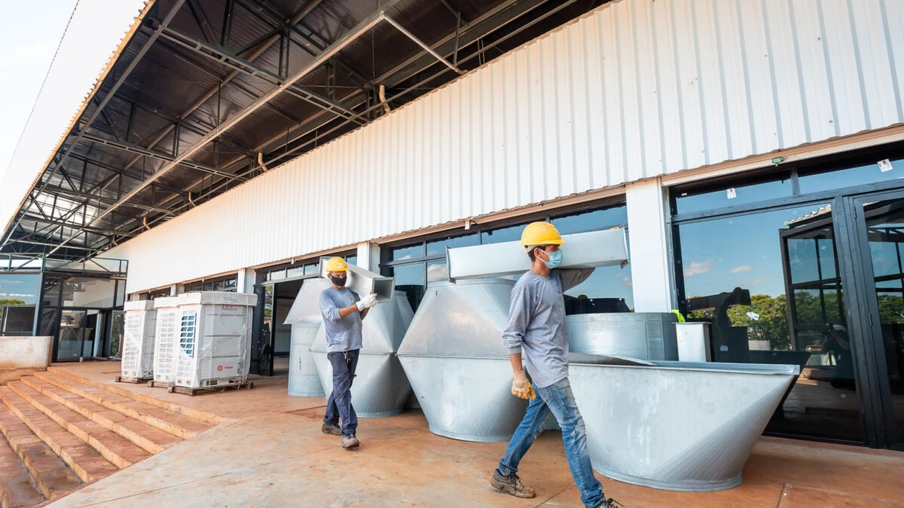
165	340
213	339
138	341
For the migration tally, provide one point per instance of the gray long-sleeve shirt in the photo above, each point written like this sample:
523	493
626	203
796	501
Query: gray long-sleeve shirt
342	334
536	324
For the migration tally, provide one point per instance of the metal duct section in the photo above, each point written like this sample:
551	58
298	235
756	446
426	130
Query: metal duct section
306	321
380	387
643	335
456	362
675	425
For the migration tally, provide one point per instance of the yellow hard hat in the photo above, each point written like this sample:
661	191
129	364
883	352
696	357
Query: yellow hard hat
541	233
336	265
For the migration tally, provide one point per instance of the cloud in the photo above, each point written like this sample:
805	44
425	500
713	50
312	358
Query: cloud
742	268
754	282
698	268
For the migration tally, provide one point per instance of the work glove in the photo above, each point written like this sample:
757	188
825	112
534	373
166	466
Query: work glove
521	386
367	302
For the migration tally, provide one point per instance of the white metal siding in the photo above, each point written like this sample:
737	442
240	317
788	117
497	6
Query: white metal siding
636	89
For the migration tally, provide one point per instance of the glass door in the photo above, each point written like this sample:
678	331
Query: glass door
878	234
73	324
114	340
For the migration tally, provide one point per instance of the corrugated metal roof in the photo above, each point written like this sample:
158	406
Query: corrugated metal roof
63	73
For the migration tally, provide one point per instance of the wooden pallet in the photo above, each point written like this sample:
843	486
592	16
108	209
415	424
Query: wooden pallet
158	384
208	389
133	380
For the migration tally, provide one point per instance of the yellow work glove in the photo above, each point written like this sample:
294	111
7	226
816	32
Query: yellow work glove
521	386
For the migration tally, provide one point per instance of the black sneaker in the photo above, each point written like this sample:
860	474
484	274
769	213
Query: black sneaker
350	441
609	503
333	430
511	485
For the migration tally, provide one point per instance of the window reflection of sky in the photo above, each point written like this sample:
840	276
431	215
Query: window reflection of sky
742	195
719	255
20	288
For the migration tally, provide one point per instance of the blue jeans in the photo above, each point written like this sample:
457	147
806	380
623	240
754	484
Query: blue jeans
339	404
559	400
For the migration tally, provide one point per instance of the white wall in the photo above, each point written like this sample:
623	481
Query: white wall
636	89
651	259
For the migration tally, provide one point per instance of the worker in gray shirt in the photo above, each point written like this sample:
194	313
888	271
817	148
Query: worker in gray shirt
342	315
536	329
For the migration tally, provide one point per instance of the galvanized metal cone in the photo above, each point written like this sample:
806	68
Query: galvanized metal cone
457	364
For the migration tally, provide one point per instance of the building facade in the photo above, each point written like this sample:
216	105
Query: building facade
754	151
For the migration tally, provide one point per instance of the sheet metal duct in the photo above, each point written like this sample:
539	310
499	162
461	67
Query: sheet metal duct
676	425
583	250
364	282
642	335
380	387
306	321
457	364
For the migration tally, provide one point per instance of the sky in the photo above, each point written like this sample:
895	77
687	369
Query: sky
29	37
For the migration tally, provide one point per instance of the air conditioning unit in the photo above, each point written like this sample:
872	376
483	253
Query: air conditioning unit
165	337
213	339
138	340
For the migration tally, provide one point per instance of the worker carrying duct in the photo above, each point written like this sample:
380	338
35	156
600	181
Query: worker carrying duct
342	315
536	329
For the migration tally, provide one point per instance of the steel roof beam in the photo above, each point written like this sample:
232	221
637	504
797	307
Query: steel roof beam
116	85
322	58
128	147
237	63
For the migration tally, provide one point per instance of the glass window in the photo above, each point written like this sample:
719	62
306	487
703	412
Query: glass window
734	277
312	269
88	292
352	260
120	293
412	280
698	201
19	289
437	271
507	234
438	247
596	220
410	252
297	271
818	181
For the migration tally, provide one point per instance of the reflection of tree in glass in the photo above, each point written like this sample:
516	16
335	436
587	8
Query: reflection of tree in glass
891	309
772	324
4	302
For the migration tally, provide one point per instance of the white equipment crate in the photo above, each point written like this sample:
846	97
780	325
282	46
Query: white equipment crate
214	339
165	339
138	340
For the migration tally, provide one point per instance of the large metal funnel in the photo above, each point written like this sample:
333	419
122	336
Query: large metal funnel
675	425
380	387
457	364
643	335
306	321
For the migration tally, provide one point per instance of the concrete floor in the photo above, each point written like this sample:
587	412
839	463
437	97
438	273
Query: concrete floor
271	453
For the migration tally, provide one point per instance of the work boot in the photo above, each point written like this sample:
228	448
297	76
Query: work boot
350	441
328	428
609	503
511	485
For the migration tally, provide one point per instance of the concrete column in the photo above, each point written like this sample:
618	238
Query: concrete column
369	256
245	280
174	290
651	260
